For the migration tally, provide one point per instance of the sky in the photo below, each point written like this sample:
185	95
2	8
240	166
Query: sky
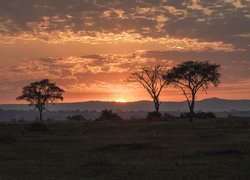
90	47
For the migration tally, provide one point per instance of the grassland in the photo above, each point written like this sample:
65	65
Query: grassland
138	150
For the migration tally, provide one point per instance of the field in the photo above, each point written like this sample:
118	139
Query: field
131	150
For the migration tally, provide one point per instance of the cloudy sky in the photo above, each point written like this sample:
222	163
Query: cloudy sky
89	47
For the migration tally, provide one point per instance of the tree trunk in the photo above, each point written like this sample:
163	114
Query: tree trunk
41	115
157	105
191	108
191	113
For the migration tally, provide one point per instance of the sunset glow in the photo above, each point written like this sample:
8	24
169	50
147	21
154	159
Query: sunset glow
121	100
89	48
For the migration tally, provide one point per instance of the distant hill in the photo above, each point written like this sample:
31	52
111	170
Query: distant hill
212	104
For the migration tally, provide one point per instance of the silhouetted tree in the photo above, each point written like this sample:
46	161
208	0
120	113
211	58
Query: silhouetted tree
151	78
41	93
191	76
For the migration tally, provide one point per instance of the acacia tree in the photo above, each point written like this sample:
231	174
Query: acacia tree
151	78
190	77
39	94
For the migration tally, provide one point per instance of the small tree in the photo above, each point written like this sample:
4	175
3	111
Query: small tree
41	93
151	78
191	76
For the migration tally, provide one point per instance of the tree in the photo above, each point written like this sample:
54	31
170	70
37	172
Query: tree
190	77
41	93
151	78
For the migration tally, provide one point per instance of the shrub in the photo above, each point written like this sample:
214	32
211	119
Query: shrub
184	115
76	118
154	116
38	127
205	115
109	115
167	117
200	115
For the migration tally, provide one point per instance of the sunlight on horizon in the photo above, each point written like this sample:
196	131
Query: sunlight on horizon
121	100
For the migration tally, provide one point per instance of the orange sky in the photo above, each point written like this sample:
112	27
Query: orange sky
89	48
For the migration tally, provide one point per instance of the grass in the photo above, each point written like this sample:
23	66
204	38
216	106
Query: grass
134	150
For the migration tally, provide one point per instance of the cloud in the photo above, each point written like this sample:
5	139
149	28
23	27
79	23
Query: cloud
163	43
94	45
88	21
107	72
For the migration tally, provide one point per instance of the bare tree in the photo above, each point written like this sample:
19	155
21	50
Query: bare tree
41	93
151	78
190	77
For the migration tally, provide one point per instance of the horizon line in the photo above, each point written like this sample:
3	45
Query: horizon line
75	102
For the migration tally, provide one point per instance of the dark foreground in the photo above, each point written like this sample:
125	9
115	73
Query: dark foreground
141	150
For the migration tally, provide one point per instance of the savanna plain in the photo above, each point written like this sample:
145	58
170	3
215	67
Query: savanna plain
126	150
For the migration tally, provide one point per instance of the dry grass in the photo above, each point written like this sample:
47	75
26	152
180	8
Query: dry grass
204	149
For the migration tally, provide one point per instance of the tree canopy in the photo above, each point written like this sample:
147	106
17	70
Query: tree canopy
191	76
151	78
41	93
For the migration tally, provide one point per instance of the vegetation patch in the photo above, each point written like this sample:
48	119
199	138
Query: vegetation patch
109	115
76	118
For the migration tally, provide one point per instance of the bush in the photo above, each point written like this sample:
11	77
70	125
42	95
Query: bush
205	115
38	127
76	118
109	115
184	115
167	117
200	115
154	116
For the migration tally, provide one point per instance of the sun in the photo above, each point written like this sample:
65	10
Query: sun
121	100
